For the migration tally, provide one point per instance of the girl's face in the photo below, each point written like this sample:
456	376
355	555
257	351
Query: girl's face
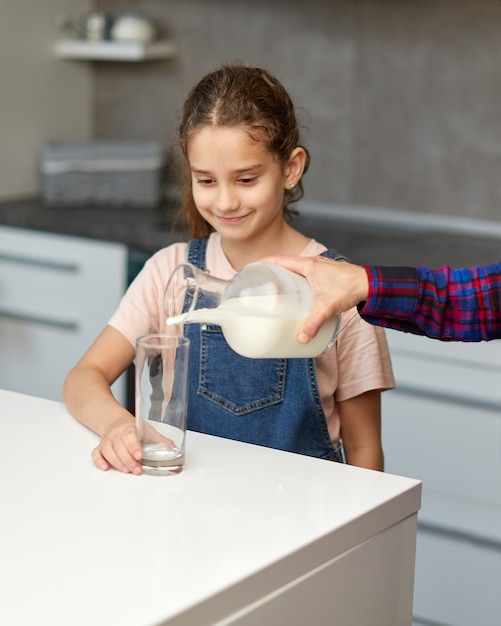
238	184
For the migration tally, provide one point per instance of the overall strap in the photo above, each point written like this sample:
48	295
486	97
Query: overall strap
196	252
197	249
330	253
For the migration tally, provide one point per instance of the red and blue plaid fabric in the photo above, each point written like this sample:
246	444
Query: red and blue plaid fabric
449	304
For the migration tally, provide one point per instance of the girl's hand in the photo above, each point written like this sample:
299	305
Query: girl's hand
119	448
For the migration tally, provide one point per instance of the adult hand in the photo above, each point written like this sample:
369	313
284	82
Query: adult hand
119	448
337	287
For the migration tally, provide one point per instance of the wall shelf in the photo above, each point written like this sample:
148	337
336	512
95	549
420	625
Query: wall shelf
75	49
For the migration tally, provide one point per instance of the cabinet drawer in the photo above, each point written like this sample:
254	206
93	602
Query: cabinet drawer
48	278
456	582
462	371
56	295
442	425
40	292
481	353
455	449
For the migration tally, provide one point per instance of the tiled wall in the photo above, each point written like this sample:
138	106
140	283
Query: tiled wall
401	98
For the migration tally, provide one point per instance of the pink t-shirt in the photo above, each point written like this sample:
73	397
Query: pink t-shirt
358	362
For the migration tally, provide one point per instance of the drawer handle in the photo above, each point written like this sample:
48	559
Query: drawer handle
37	319
57	265
423	392
490	543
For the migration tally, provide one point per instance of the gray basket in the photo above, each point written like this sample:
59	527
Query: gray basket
120	173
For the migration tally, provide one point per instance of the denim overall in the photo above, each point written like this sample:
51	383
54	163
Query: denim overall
268	402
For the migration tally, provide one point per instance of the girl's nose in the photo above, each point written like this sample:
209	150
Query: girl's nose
227	199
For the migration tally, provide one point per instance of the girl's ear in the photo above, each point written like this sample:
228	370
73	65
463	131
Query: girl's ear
295	167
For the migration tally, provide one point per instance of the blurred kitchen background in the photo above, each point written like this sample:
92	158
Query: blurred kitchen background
400	99
401	106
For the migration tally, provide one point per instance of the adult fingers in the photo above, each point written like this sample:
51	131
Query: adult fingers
311	326
300	265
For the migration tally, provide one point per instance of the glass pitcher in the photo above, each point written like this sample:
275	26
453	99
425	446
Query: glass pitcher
260	310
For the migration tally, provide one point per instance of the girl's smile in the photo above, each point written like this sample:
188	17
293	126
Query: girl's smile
231	220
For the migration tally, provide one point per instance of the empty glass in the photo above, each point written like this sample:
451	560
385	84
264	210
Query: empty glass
161	401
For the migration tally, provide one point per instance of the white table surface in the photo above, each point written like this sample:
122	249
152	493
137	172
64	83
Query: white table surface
79	546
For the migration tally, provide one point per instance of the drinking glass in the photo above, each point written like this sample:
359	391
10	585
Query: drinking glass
162	401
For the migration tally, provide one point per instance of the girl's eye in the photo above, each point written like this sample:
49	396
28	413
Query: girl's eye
247	181
205	181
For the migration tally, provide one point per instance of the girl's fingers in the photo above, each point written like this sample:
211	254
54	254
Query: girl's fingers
99	461
116	454
132	443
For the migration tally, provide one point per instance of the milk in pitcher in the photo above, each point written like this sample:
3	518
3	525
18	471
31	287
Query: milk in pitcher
263	327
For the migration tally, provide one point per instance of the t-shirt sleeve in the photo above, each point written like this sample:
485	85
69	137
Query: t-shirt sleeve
364	362
141	310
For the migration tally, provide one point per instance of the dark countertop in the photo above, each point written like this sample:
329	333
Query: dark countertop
383	245
151	229
148	229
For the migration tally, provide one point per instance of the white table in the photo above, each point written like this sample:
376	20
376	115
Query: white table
245	535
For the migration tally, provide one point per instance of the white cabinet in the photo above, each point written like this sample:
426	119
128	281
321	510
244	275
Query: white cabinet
56	294
443	425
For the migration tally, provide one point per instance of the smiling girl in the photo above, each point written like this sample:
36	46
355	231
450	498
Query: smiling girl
244	166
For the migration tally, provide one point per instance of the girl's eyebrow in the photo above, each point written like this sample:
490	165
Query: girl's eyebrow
240	170
248	168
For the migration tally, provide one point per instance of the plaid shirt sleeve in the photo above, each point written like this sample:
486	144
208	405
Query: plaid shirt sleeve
448	304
